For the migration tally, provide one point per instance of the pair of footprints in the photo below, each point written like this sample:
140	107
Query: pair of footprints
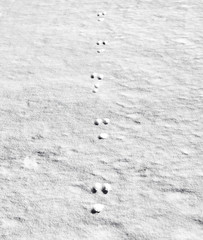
99	121
105	188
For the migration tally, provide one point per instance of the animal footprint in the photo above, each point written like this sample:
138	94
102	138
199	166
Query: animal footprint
96	85
98	121
97	208
97	187
103	136
100	50
100	19
100	76
106	188
94	75
95	90
106	121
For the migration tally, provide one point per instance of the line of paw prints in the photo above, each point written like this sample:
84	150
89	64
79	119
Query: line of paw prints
98	187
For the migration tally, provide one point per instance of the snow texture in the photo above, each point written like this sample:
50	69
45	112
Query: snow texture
50	154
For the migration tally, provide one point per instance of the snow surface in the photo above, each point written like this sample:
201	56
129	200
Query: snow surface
152	92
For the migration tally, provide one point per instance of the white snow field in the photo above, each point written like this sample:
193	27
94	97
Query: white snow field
151	91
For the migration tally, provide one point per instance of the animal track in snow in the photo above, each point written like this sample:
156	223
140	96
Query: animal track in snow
106	188
101	14
96	85
103	136
97	208
100	50
97	75
94	75
98	121
97	187
95	90
100	76
100	19
106	121
102	42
